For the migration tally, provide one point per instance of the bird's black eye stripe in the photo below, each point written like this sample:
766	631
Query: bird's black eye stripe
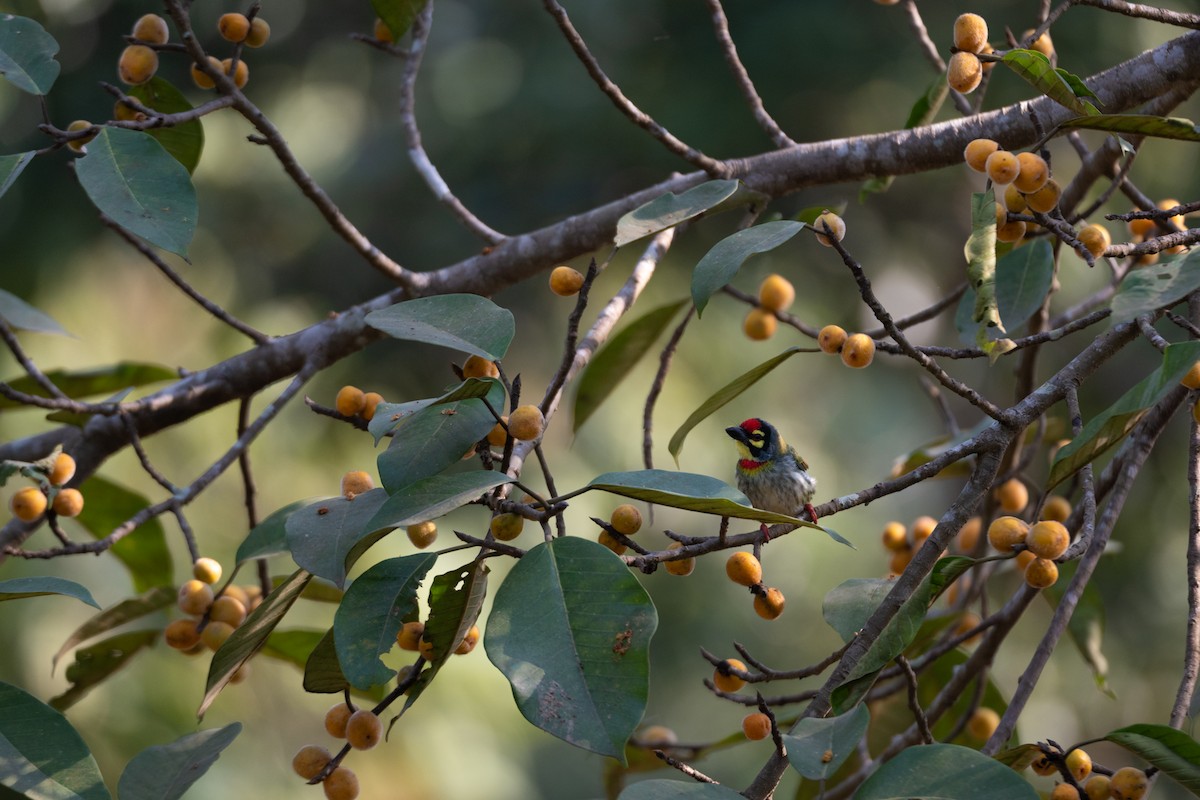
756	439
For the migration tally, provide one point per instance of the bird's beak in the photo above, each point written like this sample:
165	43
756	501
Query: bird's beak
737	433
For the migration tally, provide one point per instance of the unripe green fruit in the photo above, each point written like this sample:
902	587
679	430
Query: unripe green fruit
363	729
310	760
743	569
756	726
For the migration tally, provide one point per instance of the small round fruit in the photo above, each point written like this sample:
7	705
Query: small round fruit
1095	239
565	281
341	784
425	648
983	723
1014	200
1041	573
1191	380
151	28
215	634
371	401
900	560
776	293
769	605
181	634
409	637
78	145
626	519
469	641
1177	220
1142	228
1128	783
233	27
1006	231
202	80
497	436
310	760
743	569
480	367
526	423
1005	533
1048	539
422	534
756	726
964	73
382	32
608	540
1044	766
1057	508
28	504
836	224
1079	764
680	566
63	470
1033	173
1097	787
507	526
968	535
831	338
1042	44
970	33
759	325
729	682
137	64
895	536
195	597
858	351
350	401
260	32
228	609
336	719
1044	199
1012	495
240	75
363	729
922	529
1024	559
207	570
240	594
68	503
355	483
657	736
977	152
1064	791
1002	167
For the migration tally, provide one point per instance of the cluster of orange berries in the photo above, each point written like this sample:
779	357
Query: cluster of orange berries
211	618
626	520
31	502
239	29
1126	783
1142	229
966	69
411	637
775	295
352	401
755	725
902	542
856	349
1036	546
526	423
745	570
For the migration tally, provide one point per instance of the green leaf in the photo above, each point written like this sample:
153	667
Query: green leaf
372	613
946	571
433	497
398	15
677	790
184	142
85	383
27	54
166	771
250	637
11	167
433	440
132	179
812	738
392	416
922	113
725	394
672	209
42	754
981	260
1157	286
1019	757
17	588
321	535
116	616
323	674
579	668
464	322
945	772
1171	750
615	360
722	262
1035	68
24	317
95	663
1077	85
1139	125
455	600
292	646
1110	426
144	552
1086	627
848	606
1022	281
268	537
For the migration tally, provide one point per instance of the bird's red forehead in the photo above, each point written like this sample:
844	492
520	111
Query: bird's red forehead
751	425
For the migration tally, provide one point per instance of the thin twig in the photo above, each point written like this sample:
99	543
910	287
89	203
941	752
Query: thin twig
31	369
686	769
914	704
656	387
1163	15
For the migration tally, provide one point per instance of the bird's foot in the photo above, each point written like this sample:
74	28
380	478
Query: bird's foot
812	512
766	532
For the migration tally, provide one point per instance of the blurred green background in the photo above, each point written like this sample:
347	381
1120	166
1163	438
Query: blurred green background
525	139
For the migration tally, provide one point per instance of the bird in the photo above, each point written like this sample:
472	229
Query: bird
770	472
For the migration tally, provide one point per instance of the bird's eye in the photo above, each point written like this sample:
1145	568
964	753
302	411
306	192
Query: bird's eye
756	439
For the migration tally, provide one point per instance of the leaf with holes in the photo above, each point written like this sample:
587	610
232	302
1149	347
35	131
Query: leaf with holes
166	771
95	663
672	209
184	142
27	54
115	616
44	756
579	668
132	179
322	535
465	322
1157	286
722	262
